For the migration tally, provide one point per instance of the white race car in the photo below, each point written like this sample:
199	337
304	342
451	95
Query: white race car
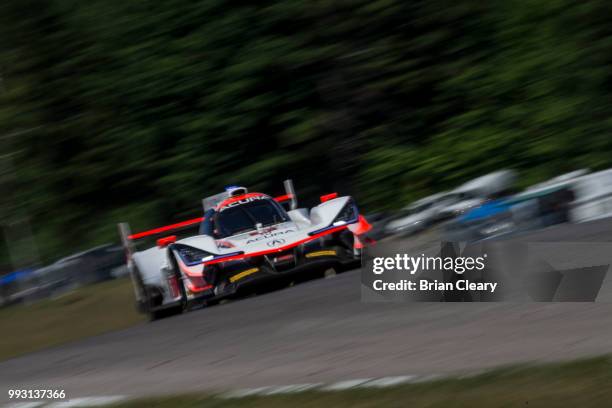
245	240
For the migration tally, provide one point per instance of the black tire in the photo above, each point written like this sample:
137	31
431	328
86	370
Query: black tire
153	298
142	305
356	263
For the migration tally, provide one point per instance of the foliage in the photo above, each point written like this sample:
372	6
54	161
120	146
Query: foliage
137	110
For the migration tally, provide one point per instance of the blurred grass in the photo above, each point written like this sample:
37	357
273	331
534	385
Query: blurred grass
584	383
85	312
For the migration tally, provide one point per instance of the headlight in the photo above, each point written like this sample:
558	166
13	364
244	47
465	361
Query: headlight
347	215
190	255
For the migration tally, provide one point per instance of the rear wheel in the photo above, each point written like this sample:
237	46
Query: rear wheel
153	298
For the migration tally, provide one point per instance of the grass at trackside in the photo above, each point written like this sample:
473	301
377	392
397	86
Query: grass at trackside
85	312
585	383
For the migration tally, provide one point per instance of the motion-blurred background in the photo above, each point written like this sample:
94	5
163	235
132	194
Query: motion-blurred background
445	119
114	111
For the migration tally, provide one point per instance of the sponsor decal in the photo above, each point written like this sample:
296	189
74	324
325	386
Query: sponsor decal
243	274
268	236
245	200
276	242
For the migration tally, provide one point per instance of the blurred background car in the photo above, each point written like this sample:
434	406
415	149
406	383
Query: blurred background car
474	192
416	216
575	197
95	265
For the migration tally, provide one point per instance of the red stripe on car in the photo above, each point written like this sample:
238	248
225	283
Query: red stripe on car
166	228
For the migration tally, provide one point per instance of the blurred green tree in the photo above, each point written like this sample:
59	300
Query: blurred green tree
137	110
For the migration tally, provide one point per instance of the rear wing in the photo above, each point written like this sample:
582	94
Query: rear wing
128	238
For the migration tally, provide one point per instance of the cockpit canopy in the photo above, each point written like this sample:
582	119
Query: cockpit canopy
241	217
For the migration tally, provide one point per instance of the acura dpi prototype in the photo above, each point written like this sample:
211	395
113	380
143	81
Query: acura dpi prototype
245	239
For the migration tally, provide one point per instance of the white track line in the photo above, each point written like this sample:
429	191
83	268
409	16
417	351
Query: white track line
345	385
87	402
337	386
389	381
24	405
246	392
71	403
292	389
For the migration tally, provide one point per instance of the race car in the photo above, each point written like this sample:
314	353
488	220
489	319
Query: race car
245	240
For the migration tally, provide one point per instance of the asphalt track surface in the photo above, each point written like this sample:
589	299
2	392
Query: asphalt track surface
319	331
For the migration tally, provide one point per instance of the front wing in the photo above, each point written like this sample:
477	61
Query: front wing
228	276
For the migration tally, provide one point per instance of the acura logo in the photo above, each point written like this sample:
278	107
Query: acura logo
276	242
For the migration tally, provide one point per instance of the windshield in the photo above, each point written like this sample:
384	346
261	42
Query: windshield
244	217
